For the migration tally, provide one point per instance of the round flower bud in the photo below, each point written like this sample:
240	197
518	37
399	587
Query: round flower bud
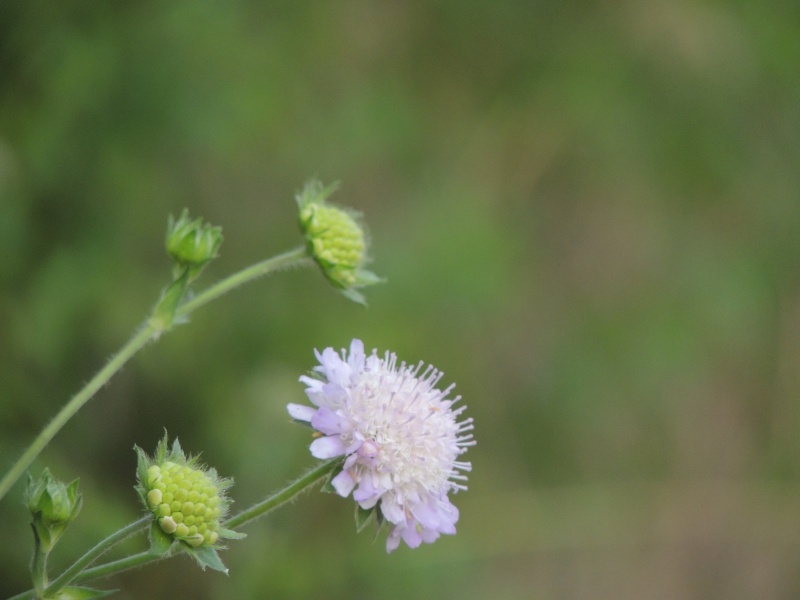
192	243
335	240
53	506
171	486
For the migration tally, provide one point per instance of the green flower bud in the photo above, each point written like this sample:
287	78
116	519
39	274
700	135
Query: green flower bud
192	243
335	239
53	506
177	489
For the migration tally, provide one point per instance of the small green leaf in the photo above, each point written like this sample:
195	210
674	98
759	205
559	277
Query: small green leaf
230	535
161	449
355	296
80	593
177	450
365	278
206	556
381	521
364	517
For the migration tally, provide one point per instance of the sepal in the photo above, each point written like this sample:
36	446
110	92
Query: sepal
81	593
187	499
206	556
160	542
365	517
192	244
53	506
327	485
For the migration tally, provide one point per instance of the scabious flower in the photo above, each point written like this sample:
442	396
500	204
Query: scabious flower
398	434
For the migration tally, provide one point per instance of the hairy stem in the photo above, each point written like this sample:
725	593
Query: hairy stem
136	343
278	499
282	261
151	331
287	494
84	561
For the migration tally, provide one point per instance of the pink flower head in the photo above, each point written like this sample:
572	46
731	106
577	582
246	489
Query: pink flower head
399	435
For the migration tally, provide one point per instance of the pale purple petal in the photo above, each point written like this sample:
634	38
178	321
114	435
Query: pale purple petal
398	433
327	447
336	369
393	541
343	483
366	494
356	360
411	536
392	511
430	535
335	395
327	421
300	412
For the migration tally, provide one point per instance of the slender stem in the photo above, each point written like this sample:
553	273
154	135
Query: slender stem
260	269
151	330
136	343
118	566
84	561
284	496
39	565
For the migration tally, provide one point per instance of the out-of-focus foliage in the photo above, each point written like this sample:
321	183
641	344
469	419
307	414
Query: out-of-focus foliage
589	218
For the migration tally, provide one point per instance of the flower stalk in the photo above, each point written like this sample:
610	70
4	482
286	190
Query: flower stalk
78	573
151	331
101	548
136	343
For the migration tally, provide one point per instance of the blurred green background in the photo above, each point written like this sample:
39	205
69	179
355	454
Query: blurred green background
588	216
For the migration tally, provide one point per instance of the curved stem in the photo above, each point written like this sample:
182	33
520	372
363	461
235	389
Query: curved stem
284	496
39	565
136	343
84	561
151	330
118	566
287	494
260	269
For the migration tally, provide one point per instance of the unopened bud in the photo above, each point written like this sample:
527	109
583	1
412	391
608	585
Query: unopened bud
187	499
53	506
192	243
335	239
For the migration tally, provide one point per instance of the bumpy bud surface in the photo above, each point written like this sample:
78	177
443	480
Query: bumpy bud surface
335	240
187	499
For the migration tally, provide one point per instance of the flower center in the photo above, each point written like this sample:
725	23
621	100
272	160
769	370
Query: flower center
410	434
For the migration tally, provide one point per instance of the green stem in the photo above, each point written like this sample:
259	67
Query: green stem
39	566
136	343
84	561
260	269
118	566
287	494
152	330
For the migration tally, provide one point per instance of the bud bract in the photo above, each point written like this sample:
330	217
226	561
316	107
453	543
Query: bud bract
192	243
53	506
335	239
187	499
